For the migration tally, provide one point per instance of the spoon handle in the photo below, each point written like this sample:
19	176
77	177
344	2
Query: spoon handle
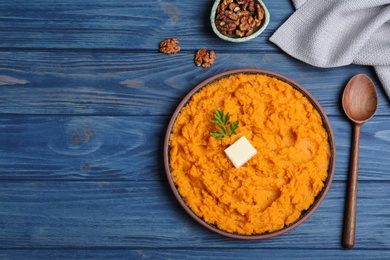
350	215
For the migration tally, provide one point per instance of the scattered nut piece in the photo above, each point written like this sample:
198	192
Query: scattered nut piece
238	17
169	46
204	58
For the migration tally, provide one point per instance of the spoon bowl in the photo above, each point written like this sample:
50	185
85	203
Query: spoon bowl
359	102
360	99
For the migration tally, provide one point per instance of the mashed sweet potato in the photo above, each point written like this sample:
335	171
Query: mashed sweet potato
272	189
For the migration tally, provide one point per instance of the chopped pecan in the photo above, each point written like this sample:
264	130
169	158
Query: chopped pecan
231	15
238	17
259	12
247	4
240	33
227	2
233	6
221	8
245	13
169	46
247	25
226	27
204	58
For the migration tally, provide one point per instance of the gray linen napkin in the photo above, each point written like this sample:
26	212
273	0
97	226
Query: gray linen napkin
332	33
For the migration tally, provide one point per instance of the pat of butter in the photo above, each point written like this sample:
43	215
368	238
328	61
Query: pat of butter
240	152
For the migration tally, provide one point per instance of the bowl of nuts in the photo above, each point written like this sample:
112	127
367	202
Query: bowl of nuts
239	20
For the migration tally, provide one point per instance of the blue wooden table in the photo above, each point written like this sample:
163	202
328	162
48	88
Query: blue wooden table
85	99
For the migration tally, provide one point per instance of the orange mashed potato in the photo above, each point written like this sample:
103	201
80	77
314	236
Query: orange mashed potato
272	189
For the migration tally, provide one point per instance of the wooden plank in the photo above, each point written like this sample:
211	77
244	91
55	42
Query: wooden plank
85	98
120	25
106	148
145	215
131	148
199	253
144	84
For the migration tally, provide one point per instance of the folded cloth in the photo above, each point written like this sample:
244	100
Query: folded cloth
332	33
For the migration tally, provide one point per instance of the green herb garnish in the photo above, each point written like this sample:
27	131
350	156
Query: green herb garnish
222	120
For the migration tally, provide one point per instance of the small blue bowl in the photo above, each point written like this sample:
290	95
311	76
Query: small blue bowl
234	38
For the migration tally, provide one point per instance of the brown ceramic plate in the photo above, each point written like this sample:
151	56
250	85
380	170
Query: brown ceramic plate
236	39
306	214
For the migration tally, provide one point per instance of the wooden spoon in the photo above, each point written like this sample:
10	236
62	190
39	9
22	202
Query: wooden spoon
359	101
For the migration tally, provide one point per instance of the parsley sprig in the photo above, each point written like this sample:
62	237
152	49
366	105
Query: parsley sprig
222	121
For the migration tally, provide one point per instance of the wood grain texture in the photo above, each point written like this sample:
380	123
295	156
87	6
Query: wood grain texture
85	100
203	254
144	83
130	148
189	253
91	148
140	214
118	25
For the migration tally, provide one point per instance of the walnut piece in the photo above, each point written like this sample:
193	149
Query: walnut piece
238	17
169	46
204	58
